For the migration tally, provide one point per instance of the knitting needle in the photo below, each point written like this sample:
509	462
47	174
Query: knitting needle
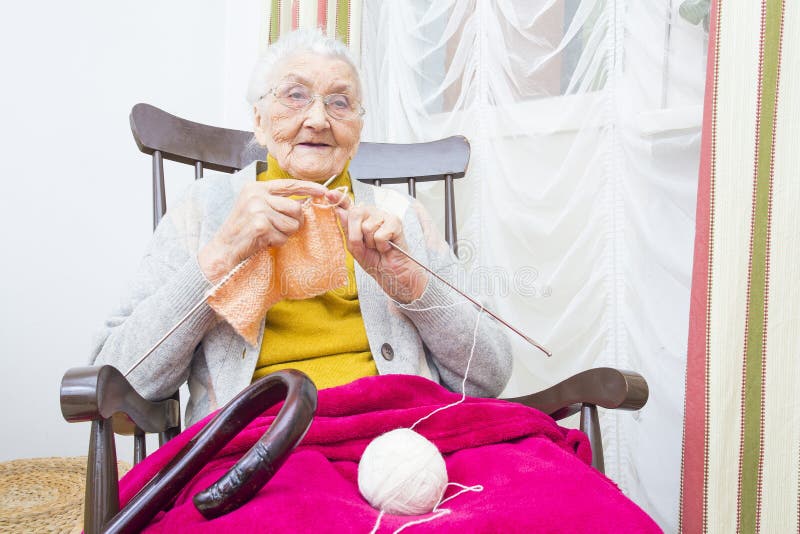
164	338
185	318
472	300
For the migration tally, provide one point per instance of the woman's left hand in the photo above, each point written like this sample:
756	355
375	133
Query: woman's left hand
369	230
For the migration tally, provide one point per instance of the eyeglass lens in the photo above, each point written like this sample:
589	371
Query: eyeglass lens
298	96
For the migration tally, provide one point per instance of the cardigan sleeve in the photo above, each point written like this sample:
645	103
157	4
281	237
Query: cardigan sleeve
167	285
451	326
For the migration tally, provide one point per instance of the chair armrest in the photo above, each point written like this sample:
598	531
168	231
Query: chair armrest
584	392
603	386
94	393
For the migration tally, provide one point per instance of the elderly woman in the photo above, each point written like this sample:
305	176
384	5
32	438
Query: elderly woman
391	318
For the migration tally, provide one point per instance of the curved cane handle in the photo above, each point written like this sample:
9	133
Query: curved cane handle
262	461
252	471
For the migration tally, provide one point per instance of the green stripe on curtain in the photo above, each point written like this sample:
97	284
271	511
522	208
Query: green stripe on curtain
275	21
755	350
343	21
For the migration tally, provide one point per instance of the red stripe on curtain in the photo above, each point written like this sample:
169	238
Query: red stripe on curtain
295	14
322	15
695	444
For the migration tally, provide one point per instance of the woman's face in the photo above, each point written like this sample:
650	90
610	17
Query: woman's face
308	143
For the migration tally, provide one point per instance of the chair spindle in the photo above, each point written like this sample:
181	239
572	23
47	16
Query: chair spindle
450	214
590	425
159	195
139	446
412	187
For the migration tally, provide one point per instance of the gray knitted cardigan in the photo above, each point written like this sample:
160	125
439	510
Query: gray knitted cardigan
431	337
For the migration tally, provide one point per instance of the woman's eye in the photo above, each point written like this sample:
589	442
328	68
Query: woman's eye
340	102
297	95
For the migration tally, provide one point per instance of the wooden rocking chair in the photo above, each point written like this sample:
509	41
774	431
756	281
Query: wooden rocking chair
104	397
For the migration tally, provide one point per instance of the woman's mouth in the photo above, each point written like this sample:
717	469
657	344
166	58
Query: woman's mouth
315	145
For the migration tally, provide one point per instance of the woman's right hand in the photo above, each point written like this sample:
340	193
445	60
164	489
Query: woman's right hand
263	216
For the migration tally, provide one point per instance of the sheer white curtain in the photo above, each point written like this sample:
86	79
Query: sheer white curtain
576	217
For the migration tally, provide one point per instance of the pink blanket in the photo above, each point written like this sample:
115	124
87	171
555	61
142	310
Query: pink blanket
535	474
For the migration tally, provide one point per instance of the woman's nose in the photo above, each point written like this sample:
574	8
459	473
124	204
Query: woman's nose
316	116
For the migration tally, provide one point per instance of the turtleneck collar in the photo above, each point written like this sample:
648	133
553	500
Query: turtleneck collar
270	170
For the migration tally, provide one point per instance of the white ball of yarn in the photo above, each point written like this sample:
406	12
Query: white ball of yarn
402	473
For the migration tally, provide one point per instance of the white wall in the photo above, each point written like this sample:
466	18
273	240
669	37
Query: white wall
75	204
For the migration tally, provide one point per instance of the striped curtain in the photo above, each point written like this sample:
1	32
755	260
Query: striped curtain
337	18
741	443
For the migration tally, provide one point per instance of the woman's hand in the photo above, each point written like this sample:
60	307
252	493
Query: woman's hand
263	216
369	230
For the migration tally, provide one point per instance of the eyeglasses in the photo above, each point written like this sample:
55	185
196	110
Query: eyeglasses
297	96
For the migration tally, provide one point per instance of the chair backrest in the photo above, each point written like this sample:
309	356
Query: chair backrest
165	136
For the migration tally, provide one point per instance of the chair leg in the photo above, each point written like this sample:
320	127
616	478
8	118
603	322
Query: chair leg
167	435
590	425
170	433
139	446
102	484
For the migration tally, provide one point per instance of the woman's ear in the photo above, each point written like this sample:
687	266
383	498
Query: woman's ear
354	150
259	126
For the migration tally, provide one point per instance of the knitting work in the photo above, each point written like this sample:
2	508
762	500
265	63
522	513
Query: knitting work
310	263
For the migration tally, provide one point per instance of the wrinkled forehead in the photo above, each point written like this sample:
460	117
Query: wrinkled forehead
322	74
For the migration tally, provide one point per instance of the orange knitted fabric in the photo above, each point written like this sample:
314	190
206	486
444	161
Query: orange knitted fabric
310	263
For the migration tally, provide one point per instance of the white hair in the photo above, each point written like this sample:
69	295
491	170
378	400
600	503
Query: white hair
290	44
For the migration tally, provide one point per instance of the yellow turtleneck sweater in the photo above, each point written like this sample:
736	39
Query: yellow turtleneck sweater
323	336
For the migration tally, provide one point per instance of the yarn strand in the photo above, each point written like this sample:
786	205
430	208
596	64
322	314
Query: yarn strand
477	488
436	515
377	522
437	511
466	374
434	307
